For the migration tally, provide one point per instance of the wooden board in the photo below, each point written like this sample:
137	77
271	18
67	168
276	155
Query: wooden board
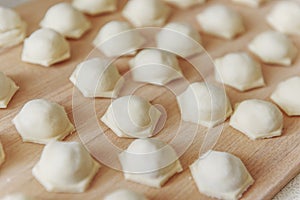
272	162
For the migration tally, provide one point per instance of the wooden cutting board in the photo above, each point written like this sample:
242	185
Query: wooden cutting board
272	162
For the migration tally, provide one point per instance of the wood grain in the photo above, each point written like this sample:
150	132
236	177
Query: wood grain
272	162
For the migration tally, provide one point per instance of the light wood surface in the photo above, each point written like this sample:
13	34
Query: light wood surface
272	162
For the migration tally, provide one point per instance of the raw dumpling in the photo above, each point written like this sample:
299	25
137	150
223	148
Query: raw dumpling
7	90
184	4
239	71
257	119
179	38
143	13
17	196
12	28
155	66
117	38
45	47
150	162
287	96
285	17
132	116
221	21
66	20
252	3
41	121
65	167
2	155
97	78
221	175
95	7
274	48
124	194
205	104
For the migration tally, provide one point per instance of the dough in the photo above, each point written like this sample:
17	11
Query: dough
95	7
285	17
287	96
12	28
124	194
257	119
117	38
7	90
205	104
221	175
274	48
65	167
184	4
45	47
17	196
2	155
150	162
252	3
239	71
95	78
143	13
155	66
66	20
221	21
41	121
132	116
179	38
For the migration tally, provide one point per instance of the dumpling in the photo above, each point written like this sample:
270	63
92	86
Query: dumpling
239	71
117	38
179	38
150	162
7	90
95	7
45	47
221	21
17	196
186	3
66	20
252	3
155	66
285	17
2	155
221	175
124	194
257	119
143	13
287	96
97	78
132	116
274	48
65	167
205	104
41	121
12	28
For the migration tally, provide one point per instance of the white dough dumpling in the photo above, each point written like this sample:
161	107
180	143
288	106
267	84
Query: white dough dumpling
274	48
257	119
285	17
95	7
184	4
2	154
221	21
287	96
205	104
65	167
17	196
7	90
132	116
97	78
179	38
221	175
239	71
251	3
117	38
150	162
124	194
45	47
12	28
155	66
41	121
143	13
66	20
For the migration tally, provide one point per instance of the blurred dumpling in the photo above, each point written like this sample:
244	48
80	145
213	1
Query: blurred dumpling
124	194
17	196
252	3
184	4
2	155
7	90
95	7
